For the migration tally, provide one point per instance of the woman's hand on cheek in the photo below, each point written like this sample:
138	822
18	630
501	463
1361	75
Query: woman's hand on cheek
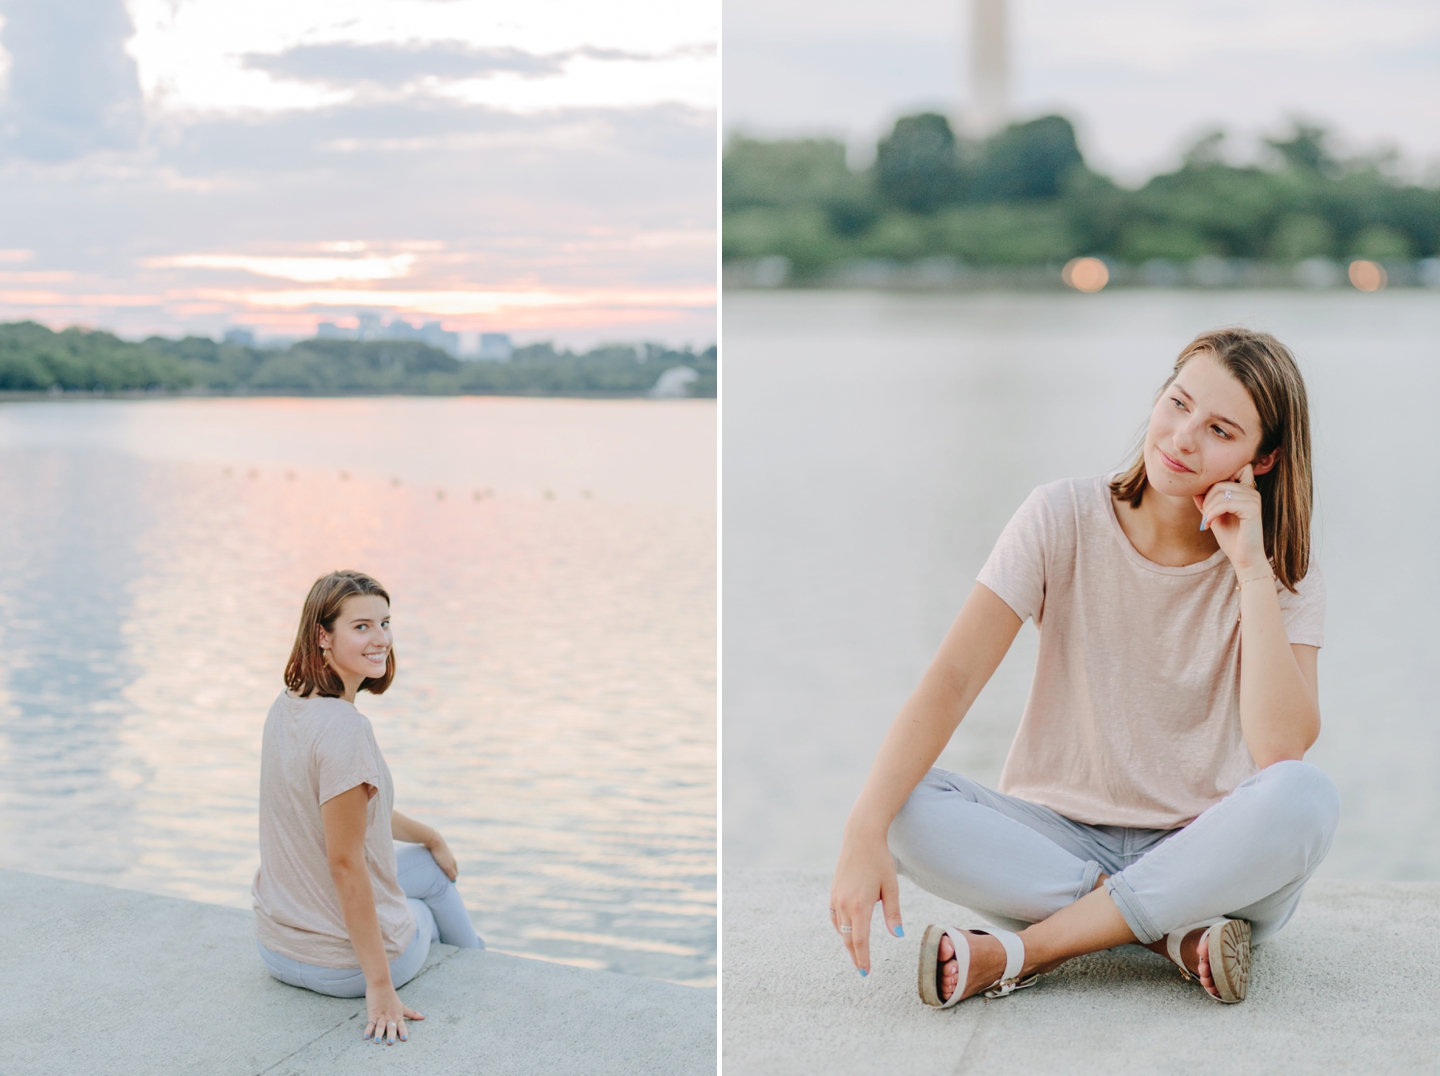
1231	510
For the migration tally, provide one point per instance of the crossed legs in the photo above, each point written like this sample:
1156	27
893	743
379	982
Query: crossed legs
1024	866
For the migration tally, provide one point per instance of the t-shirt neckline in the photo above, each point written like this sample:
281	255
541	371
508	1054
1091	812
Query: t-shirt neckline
1134	556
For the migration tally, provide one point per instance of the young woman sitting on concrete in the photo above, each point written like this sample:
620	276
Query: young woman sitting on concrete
337	909
1155	791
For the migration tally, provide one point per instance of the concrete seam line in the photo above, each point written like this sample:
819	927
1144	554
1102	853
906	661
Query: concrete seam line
429	968
312	1042
418	975
964	1064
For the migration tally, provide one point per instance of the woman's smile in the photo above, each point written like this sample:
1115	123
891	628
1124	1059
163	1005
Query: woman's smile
1174	464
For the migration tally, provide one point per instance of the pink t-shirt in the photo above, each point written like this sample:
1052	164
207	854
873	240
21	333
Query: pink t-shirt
1134	714
313	750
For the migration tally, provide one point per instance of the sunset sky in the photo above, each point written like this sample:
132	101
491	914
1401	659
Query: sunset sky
545	169
1141	79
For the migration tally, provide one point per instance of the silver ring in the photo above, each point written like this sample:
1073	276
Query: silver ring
844	930
1227	494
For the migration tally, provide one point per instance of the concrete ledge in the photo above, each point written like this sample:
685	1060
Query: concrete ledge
1349	986
95	979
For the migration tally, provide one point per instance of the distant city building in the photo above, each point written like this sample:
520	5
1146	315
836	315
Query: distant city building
496	347
243	337
435	334
370	326
367	325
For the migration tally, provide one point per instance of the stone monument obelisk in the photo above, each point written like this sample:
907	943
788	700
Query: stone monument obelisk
989	108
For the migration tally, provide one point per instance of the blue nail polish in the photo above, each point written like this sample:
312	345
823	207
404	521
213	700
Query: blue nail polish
899	932
1204	521
863	973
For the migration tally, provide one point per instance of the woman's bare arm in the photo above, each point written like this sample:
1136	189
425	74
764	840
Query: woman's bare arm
1279	697
343	818
969	655
404	828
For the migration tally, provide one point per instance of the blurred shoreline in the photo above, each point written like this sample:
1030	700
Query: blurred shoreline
954	274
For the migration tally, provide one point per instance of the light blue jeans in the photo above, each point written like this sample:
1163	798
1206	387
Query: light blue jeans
440	915
1016	863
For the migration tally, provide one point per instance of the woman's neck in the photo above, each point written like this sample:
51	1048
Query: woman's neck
1166	530
348	694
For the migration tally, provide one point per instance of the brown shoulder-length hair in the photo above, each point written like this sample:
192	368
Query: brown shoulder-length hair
1268	371
307	672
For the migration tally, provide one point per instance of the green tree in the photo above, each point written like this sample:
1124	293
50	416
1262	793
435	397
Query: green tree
1305	150
1026	162
799	200
1302	235
916	167
1025	234
1380	243
807	171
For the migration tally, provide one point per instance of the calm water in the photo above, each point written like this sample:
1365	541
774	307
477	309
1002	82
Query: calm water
875	445
552	565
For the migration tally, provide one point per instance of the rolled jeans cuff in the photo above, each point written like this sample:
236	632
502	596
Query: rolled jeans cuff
1090	877
1134	914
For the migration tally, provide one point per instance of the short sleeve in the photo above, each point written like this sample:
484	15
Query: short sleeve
1304	611
1015	570
345	756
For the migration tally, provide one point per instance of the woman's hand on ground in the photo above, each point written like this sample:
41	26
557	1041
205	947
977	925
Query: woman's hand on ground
444	858
864	875
385	1015
1232	512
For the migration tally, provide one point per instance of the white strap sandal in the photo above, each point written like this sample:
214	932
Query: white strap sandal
1228	954
929	981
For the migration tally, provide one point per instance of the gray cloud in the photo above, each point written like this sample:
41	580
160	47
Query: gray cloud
511	189
567	196
73	88
398	65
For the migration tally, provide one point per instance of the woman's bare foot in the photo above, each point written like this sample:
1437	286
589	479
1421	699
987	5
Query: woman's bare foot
1202	963
1195	952
987	964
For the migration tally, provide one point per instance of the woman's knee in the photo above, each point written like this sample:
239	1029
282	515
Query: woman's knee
914	815
1302	797
418	873
918	824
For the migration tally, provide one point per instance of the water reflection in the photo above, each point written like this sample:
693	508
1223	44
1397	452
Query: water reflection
69	537
554	713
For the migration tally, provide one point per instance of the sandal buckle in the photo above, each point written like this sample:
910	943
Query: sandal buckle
1004	987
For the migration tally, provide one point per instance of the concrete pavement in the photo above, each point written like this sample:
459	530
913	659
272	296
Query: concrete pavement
1350	985
102	980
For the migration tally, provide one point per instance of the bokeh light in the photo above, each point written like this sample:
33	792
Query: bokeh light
1367	275
1087	274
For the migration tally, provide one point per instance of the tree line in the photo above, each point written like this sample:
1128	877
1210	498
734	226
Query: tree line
34	358
1027	197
